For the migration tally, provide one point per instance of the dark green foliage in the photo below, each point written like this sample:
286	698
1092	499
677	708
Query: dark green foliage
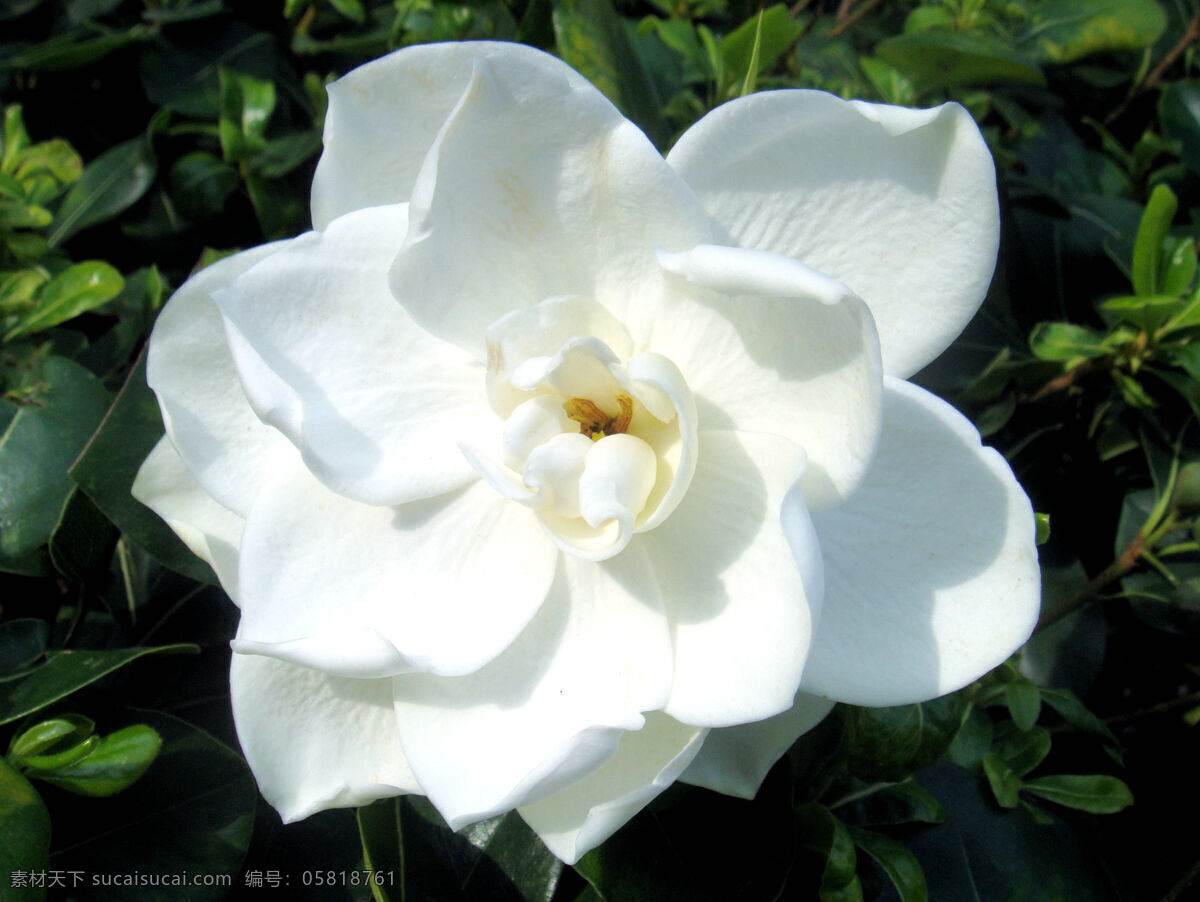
145	138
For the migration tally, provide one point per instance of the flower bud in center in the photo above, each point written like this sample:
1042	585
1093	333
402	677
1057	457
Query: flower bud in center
599	441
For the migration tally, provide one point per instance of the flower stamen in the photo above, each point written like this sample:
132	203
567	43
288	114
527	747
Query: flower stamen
594	422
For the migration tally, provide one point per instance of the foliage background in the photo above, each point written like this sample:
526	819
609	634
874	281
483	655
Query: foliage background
145	138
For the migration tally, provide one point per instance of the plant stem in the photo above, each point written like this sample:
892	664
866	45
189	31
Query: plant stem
1126	561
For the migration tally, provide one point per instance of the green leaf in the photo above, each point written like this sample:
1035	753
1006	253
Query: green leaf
182	75
898	803
1066	342
77	289
22	642
351	9
201	184
827	837
1004	782
592	41
973	741
1144	312
1043	528
1024	750
755	46
24	833
114	765
500	858
82	543
1024	702
1180	264
191	812
110	461
1074	712
281	155
891	743
512	848
73	49
1148	245
1096	793
246	106
39	443
984	854
897	862
110	184
1061	31
1179	111
65	672
51	736
934	60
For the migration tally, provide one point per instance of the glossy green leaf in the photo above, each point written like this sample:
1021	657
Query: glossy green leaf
116	763
891	743
1061	31
1066	342
763	46
1024	750
1148	246
110	184
1004	782
592	41
942	59
1024	703
1043	528
1180	266
191	812
826	836
39	765
1144	312
110	461
24	833
280	156
49	736
1096	793
499	858
39	443
900	865
63	672
246	106
78	289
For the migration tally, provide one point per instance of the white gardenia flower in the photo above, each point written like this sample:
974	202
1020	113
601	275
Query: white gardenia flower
546	471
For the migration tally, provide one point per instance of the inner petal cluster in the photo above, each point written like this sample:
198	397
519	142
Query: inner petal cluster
598	440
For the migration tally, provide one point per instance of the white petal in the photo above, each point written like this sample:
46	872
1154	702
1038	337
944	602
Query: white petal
212	532
383	117
374	403
931	570
768	345
543	331
578	818
568	199
550	709
899	204
441	585
740	589
735	760
226	447
316	741
656	383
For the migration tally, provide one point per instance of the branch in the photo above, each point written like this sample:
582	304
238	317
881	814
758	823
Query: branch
1126	561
